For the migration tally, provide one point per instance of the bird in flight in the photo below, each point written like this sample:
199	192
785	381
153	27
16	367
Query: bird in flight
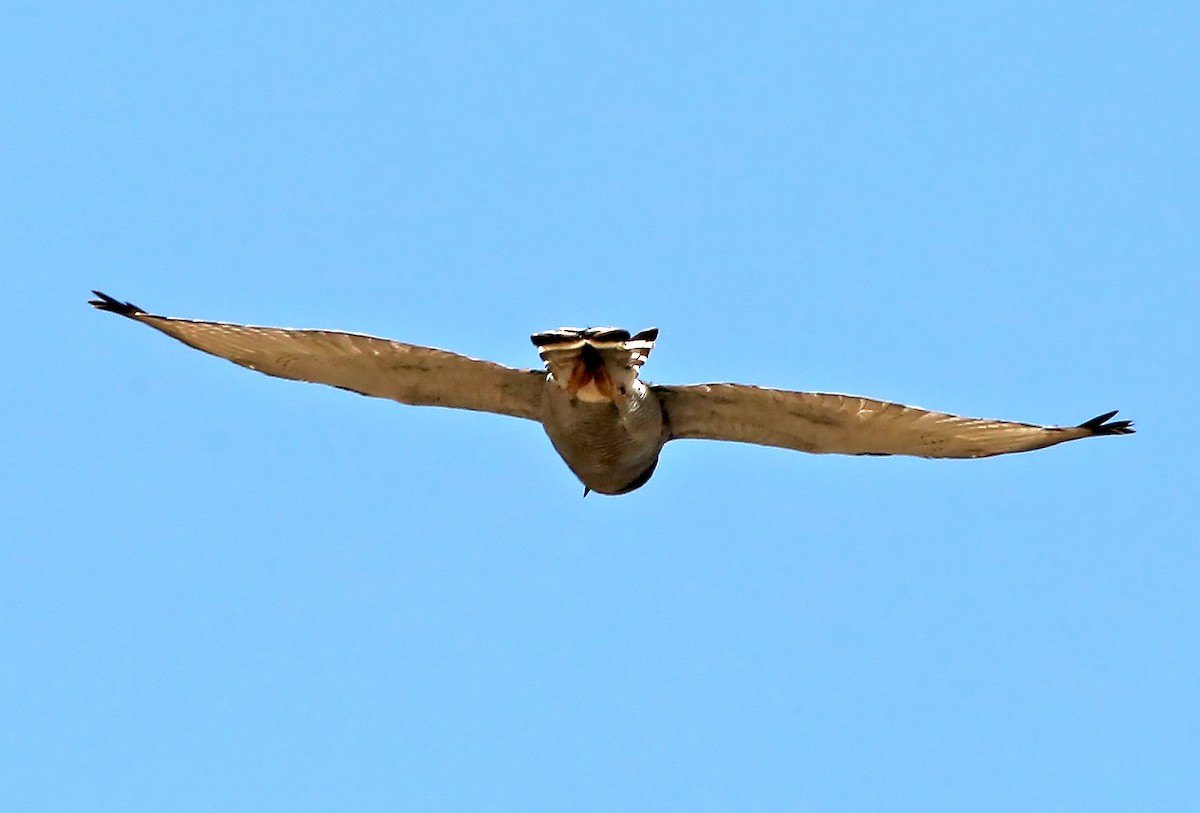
607	424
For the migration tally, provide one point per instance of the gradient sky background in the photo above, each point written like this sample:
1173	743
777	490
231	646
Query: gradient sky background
220	591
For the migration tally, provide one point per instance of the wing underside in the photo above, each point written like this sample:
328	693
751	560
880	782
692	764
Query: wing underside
827	423
382	368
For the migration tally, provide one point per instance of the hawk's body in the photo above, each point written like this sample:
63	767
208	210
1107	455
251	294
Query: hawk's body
605	422
608	425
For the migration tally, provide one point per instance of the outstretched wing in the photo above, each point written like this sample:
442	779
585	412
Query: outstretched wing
378	367
846	424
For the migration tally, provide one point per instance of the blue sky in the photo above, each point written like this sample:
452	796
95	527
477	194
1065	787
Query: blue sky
220	591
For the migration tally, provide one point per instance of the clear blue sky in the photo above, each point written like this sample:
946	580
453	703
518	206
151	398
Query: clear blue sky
220	591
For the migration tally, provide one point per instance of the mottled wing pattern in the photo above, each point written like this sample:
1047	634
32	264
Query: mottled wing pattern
846	424
382	368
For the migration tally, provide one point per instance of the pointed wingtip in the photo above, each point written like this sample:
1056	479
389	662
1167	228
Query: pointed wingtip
107	303
1101	425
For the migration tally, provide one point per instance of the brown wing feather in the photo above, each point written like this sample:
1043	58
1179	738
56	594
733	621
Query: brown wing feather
382	368
847	424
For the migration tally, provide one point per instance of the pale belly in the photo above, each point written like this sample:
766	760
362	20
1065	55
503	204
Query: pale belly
610	450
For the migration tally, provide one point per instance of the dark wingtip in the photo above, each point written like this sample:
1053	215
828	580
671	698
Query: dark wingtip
107	303
1099	425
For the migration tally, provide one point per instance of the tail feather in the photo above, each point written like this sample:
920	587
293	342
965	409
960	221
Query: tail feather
595	364
561	336
564	345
